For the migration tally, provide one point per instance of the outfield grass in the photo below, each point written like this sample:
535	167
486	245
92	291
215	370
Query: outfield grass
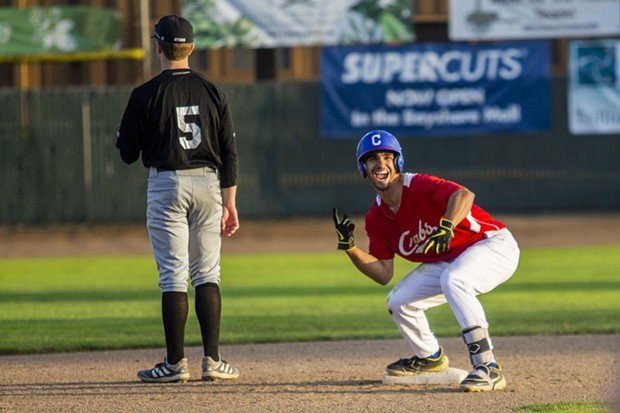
566	407
69	304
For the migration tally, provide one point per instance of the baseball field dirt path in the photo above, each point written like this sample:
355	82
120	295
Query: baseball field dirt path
336	377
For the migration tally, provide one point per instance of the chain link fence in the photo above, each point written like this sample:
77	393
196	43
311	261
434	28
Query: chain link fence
58	162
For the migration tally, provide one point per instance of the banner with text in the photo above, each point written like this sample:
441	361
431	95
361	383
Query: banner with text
286	23
594	87
435	89
61	29
532	19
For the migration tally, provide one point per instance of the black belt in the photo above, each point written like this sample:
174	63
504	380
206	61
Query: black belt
199	167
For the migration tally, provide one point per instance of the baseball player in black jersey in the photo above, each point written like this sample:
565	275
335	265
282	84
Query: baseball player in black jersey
181	125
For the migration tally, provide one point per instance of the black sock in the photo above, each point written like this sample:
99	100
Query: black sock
208	312
174	308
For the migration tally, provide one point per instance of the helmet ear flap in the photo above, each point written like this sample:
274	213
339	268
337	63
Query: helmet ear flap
399	162
362	167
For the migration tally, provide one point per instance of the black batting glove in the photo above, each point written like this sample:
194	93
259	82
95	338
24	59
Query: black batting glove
440	240
344	228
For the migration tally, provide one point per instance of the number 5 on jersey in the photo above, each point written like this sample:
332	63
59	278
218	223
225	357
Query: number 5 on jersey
188	127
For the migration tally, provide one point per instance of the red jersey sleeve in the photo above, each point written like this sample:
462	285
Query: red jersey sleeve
439	190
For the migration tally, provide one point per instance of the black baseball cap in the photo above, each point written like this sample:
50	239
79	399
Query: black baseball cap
174	29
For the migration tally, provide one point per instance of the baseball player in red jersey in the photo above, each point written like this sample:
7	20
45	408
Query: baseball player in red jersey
180	123
462	249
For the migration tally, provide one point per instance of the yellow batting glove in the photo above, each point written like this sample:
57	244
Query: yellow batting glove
344	228
440	240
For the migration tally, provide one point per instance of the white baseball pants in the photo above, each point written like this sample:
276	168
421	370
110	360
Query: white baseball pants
478	270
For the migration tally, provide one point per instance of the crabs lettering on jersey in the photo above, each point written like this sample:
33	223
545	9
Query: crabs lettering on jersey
406	232
408	245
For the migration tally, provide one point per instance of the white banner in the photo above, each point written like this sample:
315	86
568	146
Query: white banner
285	23
594	87
532	19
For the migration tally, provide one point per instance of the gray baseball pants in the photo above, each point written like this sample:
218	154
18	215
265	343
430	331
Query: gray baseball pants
184	211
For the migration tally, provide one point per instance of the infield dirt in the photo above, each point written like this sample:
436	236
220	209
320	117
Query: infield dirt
337	376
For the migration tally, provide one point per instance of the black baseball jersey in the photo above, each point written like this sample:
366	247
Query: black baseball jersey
180	120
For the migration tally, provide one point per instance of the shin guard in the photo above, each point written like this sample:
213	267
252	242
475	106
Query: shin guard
479	345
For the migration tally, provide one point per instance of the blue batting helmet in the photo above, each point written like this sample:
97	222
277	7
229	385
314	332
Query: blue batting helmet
379	140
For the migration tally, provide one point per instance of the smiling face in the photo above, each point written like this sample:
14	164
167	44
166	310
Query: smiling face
381	170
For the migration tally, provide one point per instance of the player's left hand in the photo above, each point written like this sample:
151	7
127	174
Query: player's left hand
441	238
230	220
344	228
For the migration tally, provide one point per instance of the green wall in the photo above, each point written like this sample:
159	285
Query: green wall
58	163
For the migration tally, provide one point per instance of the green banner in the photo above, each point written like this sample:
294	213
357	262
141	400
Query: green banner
286	23
61	29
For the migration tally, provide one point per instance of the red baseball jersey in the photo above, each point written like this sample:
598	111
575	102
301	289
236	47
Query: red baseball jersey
424	202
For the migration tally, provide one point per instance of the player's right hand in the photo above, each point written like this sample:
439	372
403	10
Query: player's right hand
344	228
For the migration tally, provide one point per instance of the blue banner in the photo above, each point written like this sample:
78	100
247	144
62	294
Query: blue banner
435	89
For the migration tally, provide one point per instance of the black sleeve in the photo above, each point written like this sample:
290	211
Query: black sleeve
130	136
130	157
228	150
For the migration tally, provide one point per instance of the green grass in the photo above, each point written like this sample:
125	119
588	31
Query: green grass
565	407
69	304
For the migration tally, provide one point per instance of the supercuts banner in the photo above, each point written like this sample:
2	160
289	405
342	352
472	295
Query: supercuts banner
435	89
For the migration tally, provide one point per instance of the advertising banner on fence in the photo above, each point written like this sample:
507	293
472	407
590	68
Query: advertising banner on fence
532	19
435	89
594	87
285	23
61	29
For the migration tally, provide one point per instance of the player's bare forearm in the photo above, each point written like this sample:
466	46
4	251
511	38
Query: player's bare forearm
229	196
380	271
459	205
